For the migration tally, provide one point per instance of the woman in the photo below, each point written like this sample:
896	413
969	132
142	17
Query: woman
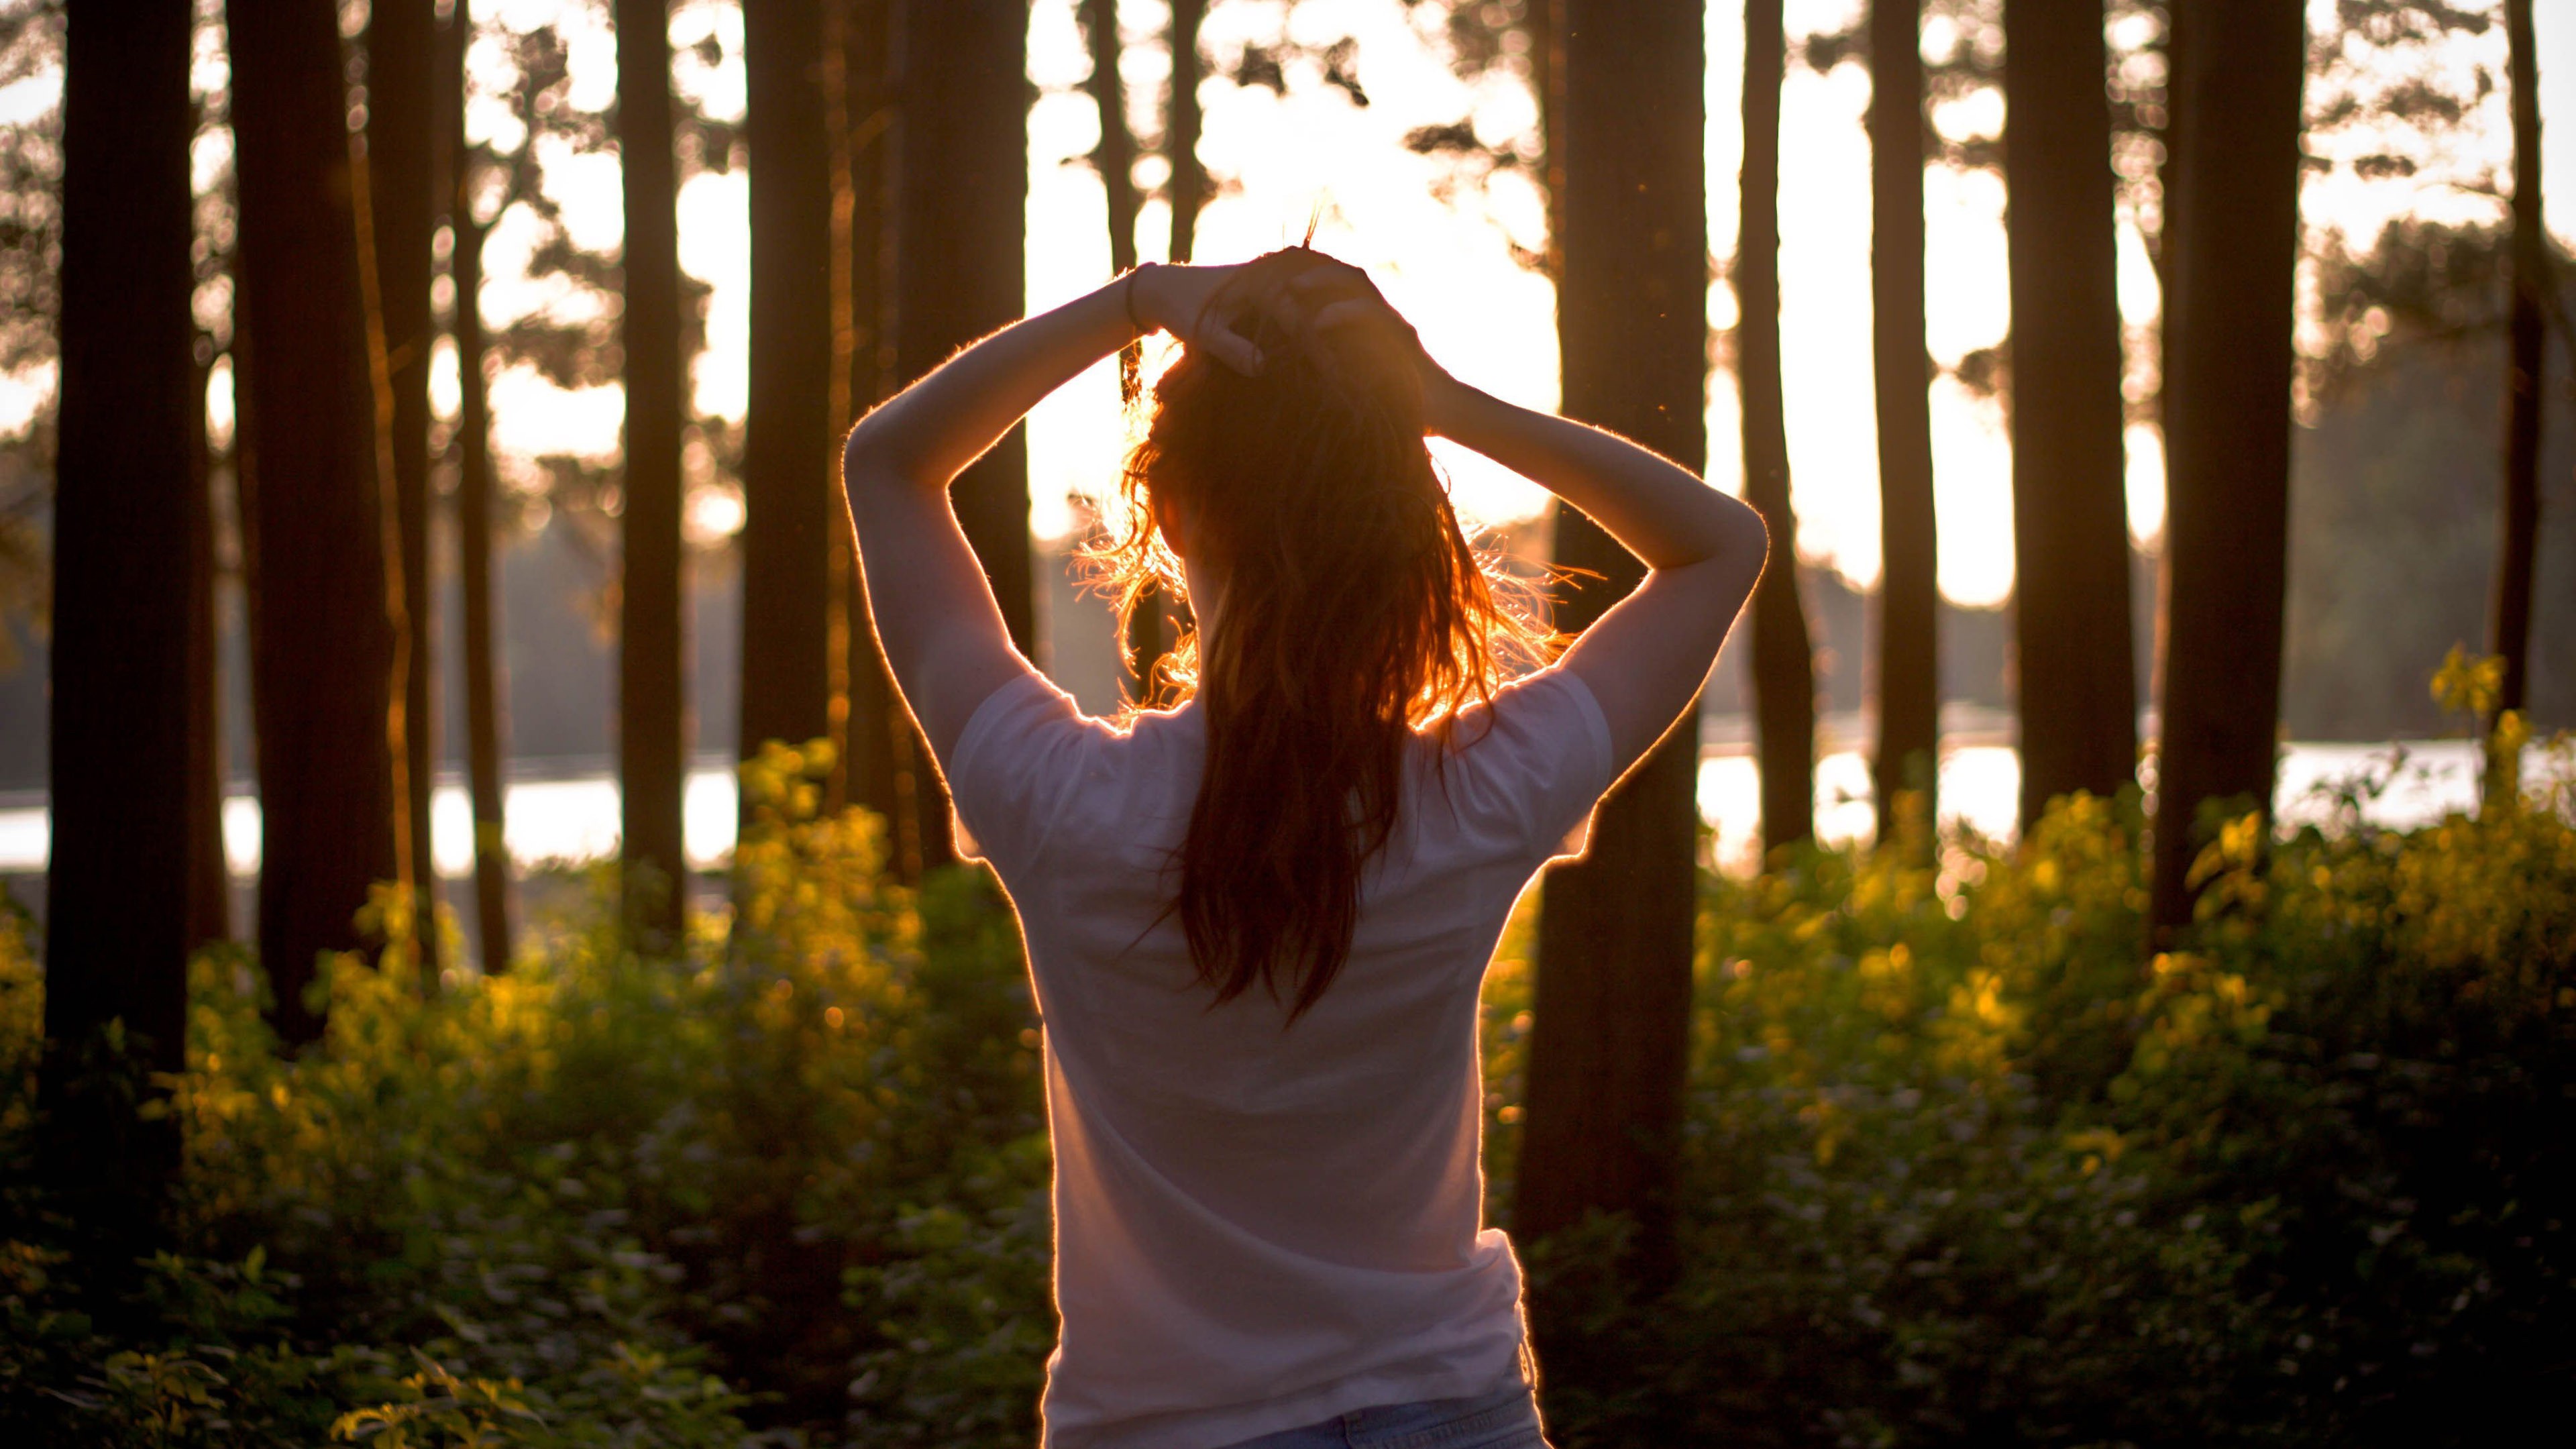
1256	923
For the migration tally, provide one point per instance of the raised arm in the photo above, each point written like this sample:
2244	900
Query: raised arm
933	610
1645	658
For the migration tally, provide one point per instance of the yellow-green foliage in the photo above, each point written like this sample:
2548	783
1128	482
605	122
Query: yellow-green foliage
538	1208
1963	1163
1967	1164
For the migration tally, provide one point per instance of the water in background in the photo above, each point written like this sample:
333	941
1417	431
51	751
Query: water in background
575	818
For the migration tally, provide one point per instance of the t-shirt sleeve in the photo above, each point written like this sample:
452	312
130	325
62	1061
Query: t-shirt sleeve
1015	770
1547	753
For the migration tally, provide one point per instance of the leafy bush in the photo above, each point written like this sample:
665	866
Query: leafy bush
1963	1163
1966	1166
573	1203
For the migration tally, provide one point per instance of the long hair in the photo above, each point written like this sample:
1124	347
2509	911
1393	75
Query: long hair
1354	613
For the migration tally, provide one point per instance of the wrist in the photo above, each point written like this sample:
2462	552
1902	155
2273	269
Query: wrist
1132	298
1445	402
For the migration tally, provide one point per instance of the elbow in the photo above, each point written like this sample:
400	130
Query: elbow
1753	534
861	453
1742	536
868	461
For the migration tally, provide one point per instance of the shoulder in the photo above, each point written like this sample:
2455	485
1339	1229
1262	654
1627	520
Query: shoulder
1551	713
1533	759
1031	768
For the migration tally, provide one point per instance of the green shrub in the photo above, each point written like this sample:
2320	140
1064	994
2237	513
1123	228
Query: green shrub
1966	1166
1962	1164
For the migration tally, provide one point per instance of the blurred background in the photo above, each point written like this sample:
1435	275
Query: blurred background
1408	134
2098	967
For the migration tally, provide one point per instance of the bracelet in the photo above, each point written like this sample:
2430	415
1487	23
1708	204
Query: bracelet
1127	298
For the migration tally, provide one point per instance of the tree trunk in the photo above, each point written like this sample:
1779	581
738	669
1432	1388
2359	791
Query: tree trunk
961	190
2074	661
789	462
484	698
651	708
1189	184
402	193
1614	950
1904	775
209	875
2532	289
323	645
117	890
2235	206
1115	159
879	733
1784	665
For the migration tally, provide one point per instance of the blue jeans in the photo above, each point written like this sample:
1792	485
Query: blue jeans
1504	1420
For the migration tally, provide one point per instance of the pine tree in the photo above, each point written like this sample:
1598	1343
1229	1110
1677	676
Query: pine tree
2074	662
1613	982
790	464
1908	675
125	525
2231	246
652	671
322	638
1784	666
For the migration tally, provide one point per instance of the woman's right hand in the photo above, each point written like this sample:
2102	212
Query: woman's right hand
1173	297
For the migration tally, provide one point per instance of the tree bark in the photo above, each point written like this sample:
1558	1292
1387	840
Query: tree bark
2074	662
1905	774
323	644
1115	159
209	873
1612	998
485	698
117	888
1189	184
652	718
876	731
2532	288
402	193
2227	420
961	190
1784	666
789	465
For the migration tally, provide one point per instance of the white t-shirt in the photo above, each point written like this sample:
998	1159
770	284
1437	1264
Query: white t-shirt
1260	1228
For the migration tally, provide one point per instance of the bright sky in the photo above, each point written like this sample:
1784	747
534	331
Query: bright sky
1438	243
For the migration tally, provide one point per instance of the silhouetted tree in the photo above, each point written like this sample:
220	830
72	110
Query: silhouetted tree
209	874
1115	155
2073	665
1612	993
322	645
960	192
2533	288
484	696
117	888
877	759
1784	665
1189	183
1908	677
1115	159
211	497
651	706
790	467
2230	247
402	195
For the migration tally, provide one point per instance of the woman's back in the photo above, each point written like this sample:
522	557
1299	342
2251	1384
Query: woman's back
1256	925
1278	1217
